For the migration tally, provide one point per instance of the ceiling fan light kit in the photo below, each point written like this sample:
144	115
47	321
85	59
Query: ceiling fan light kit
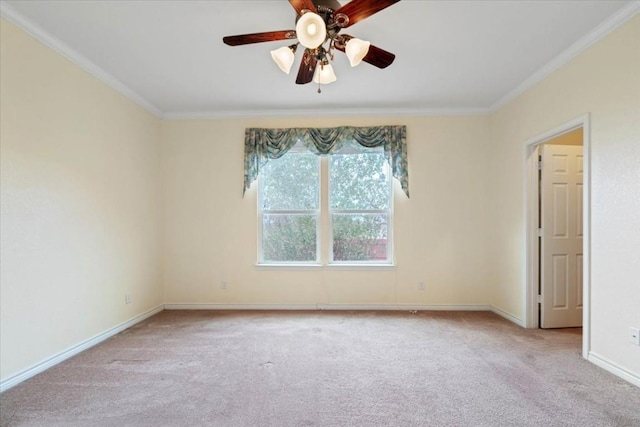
318	24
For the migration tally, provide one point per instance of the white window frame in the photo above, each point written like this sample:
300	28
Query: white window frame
388	212
298	148
324	228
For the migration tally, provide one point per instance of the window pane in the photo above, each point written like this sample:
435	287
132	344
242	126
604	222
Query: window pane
291	182
359	237
288	237
359	181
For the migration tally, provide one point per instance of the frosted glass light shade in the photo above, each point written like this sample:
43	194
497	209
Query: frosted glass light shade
356	49
311	30
324	74
284	57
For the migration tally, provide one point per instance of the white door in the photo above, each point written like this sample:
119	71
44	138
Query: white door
561	240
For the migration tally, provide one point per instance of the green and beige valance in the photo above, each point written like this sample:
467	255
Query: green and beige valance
261	145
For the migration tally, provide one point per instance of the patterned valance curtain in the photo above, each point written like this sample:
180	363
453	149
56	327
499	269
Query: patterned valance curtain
261	145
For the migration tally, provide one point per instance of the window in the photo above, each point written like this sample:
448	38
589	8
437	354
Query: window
290	208
332	209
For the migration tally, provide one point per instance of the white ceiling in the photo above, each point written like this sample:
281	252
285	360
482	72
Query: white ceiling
451	56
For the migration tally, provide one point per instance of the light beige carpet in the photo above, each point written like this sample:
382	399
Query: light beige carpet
211	368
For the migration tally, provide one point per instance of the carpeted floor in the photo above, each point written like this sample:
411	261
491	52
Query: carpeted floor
215	368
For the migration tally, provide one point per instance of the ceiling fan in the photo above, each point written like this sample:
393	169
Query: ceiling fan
318	26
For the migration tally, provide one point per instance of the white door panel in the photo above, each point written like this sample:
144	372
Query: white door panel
561	242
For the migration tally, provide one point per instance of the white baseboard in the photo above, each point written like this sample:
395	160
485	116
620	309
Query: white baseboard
616	370
60	357
199	306
508	316
403	307
347	307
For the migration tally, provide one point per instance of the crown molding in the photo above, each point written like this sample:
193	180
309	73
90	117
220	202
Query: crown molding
275	113
605	28
33	29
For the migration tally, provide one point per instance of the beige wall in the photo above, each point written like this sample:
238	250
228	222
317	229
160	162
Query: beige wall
80	189
440	233
604	81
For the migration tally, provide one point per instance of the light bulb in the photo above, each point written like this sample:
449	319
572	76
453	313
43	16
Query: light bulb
311	30
356	49
284	57
324	74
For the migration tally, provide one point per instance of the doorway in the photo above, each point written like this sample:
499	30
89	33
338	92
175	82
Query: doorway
560	182
541	265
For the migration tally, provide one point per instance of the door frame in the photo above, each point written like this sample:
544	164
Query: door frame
531	214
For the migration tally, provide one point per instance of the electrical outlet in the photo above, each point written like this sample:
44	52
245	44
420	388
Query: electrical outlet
223	284
634	336
421	286
127	298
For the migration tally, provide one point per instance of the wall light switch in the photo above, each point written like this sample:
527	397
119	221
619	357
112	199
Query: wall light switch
634	336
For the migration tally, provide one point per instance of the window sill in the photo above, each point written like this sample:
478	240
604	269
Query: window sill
289	266
361	266
327	267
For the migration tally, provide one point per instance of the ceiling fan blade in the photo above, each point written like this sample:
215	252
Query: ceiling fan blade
307	68
357	10
300	5
269	36
375	56
379	57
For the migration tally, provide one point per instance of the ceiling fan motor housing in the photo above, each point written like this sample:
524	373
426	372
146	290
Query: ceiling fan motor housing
331	4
